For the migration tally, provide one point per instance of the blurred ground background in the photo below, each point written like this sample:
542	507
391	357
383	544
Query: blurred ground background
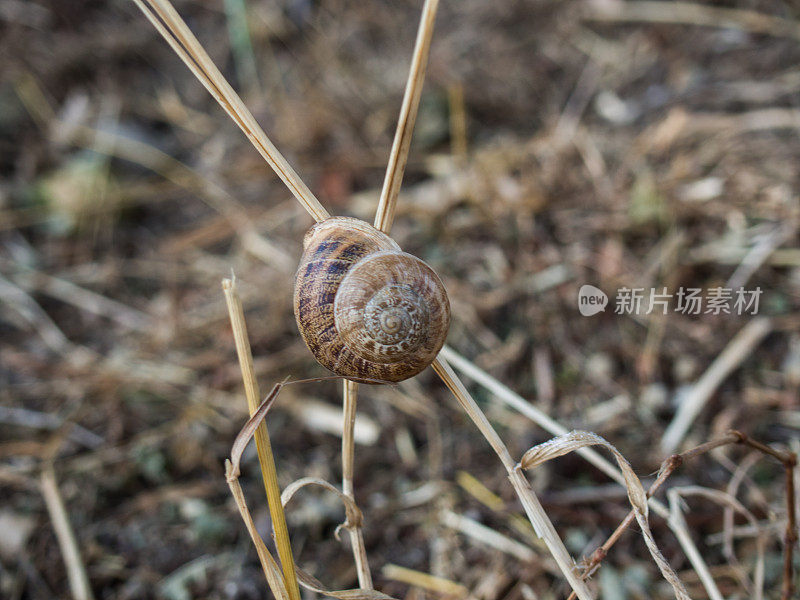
552	149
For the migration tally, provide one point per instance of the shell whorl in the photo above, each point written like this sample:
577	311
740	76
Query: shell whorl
367	310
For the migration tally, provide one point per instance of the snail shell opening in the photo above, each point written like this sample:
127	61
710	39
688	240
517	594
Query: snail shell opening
366	310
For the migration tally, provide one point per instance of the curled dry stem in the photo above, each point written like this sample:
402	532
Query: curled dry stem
574	440
270	567
264	447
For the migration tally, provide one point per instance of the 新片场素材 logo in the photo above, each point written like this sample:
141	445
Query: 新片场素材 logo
686	301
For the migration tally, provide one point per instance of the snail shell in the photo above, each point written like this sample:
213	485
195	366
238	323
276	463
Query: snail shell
366	309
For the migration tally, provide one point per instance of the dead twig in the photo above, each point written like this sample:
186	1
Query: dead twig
737	351
76	571
574	440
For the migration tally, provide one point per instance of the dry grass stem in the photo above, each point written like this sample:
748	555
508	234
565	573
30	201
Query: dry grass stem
76	571
514	400
408	116
352	512
487	536
265	457
533	508
667	468
738	476
680	528
687	13
271	569
169	24
756	587
350	393
737	351
425	581
669	465
384	217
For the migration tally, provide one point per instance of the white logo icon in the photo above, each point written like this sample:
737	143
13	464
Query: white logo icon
591	300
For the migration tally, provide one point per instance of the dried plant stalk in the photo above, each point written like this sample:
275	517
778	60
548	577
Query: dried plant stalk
518	403
65	535
350	392
169	24
737	350
425	581
681	529
787	459
270	567
265	457
383	220
533	508
232	471
408	116
575	440
487	536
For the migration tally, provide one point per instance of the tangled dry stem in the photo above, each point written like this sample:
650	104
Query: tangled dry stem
787	459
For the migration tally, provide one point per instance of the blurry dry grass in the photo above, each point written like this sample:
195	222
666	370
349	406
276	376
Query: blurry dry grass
551	150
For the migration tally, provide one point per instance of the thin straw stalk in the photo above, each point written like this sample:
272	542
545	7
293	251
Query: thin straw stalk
408	116
65	535
383	221
263	446
350	392
518	403
174	30
533	508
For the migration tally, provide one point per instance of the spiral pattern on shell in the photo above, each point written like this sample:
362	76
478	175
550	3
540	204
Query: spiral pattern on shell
367	310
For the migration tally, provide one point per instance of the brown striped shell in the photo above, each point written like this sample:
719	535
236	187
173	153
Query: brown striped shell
366	309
